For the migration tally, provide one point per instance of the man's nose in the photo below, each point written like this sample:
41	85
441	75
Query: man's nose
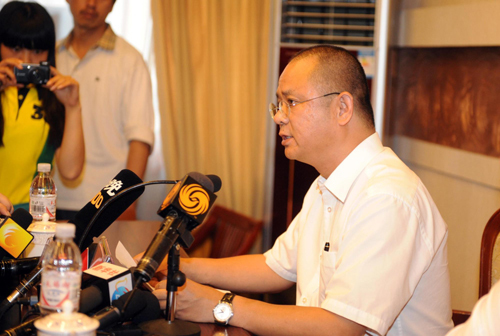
280	118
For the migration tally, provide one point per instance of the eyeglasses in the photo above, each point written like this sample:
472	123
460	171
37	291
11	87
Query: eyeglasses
273	109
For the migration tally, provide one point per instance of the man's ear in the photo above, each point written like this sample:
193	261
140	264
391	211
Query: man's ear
346	108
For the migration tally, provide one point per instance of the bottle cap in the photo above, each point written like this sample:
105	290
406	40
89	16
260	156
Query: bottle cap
44	167
65	230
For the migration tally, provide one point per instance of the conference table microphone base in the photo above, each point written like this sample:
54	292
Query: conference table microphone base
170	328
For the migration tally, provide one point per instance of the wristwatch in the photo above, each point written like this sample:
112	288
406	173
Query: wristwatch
224	309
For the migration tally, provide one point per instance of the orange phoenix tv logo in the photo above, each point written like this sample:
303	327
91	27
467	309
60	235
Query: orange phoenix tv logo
13	238
194	199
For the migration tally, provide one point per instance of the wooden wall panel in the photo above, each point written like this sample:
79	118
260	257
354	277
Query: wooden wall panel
447	96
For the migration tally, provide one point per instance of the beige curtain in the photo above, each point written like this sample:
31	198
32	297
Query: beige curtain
213	63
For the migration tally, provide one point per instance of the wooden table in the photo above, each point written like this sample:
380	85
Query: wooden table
211	329
207	329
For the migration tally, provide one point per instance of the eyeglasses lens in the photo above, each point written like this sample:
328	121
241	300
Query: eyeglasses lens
282	107
285	109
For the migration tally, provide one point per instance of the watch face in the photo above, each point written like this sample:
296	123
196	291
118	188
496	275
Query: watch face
223	312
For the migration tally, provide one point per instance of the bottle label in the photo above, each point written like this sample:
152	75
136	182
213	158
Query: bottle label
58	287
43	204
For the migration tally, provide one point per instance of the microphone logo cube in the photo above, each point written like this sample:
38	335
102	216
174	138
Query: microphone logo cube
117	280
13	238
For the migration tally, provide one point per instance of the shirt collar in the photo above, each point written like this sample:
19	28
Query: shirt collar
340	181
106	42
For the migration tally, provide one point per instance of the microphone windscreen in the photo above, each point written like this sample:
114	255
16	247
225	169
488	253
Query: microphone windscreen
216	182
90	299
152	311
137	304
22	217
203	180
123	180
143	307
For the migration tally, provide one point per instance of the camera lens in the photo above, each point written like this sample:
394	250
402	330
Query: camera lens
34	76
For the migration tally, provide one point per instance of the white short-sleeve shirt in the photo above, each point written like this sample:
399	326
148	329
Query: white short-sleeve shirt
370	245
117	107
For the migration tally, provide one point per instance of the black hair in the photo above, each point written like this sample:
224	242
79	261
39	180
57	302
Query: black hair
339	70
28	25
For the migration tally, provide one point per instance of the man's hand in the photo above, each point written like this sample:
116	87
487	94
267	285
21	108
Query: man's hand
195	302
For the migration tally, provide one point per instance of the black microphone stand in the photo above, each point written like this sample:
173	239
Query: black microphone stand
170	326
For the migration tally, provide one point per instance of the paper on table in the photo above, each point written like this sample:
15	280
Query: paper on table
123	256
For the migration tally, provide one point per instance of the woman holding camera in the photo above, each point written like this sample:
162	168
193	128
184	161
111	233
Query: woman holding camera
41	120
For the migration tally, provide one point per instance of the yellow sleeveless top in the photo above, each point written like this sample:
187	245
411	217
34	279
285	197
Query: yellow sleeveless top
25	143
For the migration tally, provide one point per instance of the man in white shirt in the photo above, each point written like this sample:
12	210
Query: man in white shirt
368	249
117	108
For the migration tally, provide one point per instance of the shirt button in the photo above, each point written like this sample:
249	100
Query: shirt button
329	209
304	300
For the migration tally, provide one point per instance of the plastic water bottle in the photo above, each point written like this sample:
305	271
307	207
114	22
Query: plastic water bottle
43	194
62	271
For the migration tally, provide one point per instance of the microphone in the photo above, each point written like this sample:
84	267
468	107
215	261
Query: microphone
13	235
24	286
125	185
98	292
184	208
16	267
216	182
85	218
90	222
24	329
90	298
144	306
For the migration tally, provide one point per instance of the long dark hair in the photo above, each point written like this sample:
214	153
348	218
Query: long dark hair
28	25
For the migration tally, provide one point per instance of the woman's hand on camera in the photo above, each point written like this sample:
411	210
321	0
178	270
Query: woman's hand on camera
7	76
66	88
